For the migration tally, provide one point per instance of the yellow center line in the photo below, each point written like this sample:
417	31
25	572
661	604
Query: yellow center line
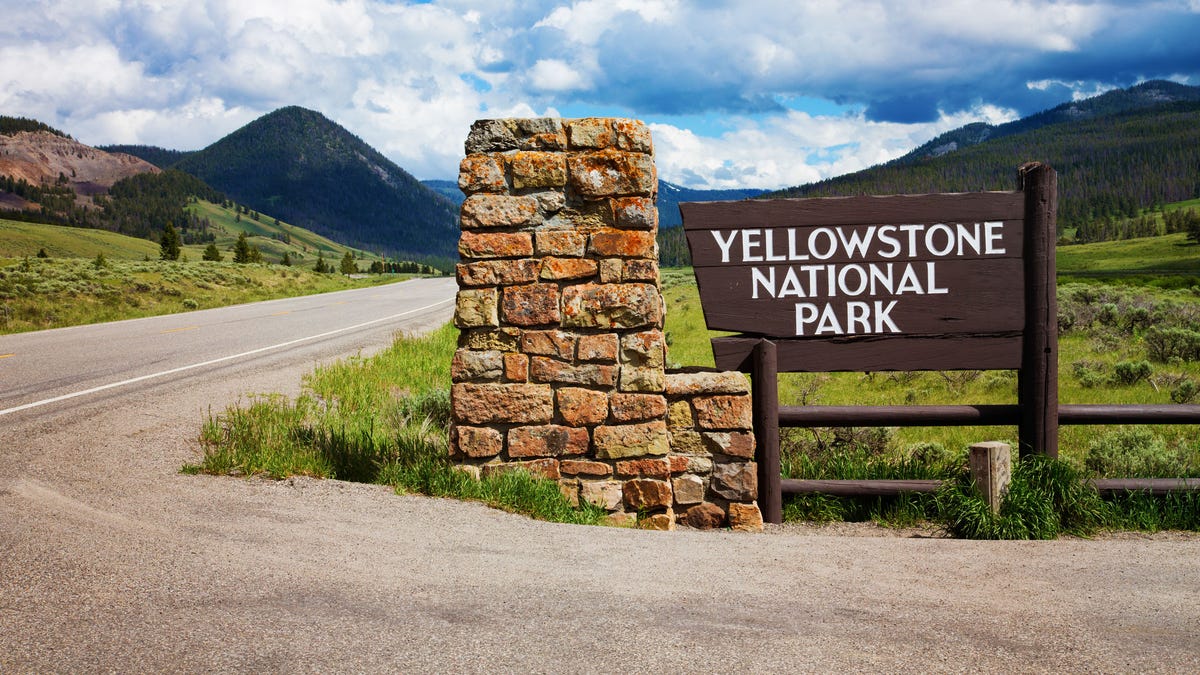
5	356
286	311
179	330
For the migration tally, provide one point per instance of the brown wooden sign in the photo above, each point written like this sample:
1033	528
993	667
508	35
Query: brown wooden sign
925	282
865	283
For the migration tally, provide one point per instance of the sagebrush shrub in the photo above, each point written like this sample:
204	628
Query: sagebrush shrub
1134	452
1131	372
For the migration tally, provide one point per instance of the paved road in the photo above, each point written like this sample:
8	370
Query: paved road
49	366
112	561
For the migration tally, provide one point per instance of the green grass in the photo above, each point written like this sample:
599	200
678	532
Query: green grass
381	420
37	293
19	239
302	245
1148	260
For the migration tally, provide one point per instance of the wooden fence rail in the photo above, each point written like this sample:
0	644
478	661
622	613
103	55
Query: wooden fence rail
771	492
891	488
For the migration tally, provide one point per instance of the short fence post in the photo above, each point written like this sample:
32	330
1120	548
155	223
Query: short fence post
766	431
991	469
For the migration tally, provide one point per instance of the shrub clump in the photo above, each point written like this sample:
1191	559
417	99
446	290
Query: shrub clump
1134	452
1168	344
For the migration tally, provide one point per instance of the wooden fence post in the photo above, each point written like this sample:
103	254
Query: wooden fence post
766	431
1037	380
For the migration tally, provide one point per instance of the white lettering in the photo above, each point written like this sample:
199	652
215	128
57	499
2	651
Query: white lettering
929	234
931	280
993	235
757	278
912	231
748	244
812	278
806	313
971	238
829	322
885	236
845	287
858	314
724	245
858	317
831	239
881	317
878	275
857	243
792	253
770	246
909	283
791	285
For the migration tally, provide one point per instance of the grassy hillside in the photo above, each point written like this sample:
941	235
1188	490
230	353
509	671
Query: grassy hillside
1166	260
19	239
272	236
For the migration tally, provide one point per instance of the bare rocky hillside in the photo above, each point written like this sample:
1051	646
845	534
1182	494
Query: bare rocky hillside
42	157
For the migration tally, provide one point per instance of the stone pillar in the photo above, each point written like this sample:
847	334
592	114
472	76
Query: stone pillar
561	365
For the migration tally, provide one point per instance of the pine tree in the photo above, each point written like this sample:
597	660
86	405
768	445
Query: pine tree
286	259
348	266
321	267
241	250
211	252
169	244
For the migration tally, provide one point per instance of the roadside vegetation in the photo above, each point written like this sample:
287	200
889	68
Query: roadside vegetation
53	276
40	293
382	419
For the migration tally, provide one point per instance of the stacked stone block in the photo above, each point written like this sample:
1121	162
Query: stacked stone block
561	365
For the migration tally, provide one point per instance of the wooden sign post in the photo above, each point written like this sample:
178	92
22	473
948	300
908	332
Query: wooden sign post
905	282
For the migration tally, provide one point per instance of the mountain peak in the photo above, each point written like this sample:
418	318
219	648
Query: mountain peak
308	170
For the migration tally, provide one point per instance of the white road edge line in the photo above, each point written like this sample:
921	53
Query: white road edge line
180	369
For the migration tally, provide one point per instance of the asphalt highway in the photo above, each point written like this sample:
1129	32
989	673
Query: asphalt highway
113	561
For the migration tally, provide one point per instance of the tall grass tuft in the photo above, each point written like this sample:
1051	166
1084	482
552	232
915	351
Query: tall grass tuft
1046	498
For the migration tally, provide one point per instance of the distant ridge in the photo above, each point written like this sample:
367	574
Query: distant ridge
1145	95
299	165
670	195
1115	155
160	157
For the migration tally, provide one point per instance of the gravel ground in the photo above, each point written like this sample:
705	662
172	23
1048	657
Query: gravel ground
112	561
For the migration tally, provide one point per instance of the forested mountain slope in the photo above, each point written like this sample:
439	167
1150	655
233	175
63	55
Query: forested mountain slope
300	166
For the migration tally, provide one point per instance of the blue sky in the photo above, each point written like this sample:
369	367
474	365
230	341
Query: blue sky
764	93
